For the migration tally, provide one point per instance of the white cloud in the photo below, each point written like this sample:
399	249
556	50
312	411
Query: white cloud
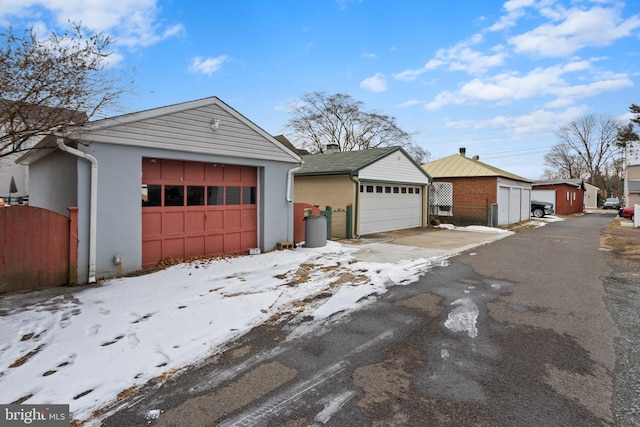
130	22
445	98
410	75
595	88
408	103
507	21
376	83
535	122
577	29
512	5
559	103
506	87
460	57
474	62
207	65
539	120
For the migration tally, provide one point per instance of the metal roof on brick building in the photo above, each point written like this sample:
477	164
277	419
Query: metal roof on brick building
460	166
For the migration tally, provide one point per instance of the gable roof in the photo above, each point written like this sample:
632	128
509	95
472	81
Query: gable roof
569	182
346	162
205	125
459	166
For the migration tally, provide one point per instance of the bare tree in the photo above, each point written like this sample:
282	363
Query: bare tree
563	163
319	119
52	83
594	140
419	154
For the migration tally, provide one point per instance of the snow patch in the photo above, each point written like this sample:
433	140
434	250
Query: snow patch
463	318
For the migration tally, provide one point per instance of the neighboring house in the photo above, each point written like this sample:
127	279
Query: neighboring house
38	117
567	196
632	174
472	187
8	170
180	181
385	188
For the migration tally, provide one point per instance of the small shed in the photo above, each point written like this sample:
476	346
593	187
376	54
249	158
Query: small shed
473	187
567	196
180	181
590	195
385	188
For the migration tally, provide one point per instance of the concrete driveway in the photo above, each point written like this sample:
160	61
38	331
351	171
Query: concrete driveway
418	243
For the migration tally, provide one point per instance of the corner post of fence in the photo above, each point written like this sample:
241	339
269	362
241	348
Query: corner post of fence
349	222
328	213
73	245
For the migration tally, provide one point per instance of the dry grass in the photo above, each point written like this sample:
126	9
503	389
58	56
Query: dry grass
127	393
521	226
622	240
24	359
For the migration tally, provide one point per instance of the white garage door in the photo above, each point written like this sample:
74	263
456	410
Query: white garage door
503	206
513	205
387	207
548	196
515	199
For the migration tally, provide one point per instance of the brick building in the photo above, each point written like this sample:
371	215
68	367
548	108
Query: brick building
470	191
568	196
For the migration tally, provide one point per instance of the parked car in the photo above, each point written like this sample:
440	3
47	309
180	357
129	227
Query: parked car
540	209
626	212
611	203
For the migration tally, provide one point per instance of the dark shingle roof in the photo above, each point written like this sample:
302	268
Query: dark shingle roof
344	162
284	141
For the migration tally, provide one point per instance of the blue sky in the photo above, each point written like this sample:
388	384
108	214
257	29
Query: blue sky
497	77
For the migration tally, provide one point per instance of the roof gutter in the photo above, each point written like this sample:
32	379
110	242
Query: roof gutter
93	209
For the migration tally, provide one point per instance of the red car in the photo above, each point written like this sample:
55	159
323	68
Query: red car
626	212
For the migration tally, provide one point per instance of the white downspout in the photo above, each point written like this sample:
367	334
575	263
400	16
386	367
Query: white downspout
93	209
290	198
290	182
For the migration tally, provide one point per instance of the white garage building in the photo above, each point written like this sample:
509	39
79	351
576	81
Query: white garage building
385	189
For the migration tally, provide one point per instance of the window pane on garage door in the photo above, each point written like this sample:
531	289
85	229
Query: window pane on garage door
195	209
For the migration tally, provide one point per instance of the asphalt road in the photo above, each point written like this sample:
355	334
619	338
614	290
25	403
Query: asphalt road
513	333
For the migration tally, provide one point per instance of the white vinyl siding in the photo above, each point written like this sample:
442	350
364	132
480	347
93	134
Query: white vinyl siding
190	130
396	167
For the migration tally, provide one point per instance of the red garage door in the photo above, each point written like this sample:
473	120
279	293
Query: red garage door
192	209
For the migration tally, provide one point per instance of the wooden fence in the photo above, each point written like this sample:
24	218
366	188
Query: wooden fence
38	248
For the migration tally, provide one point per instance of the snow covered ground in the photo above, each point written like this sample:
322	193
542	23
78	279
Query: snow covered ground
85	347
